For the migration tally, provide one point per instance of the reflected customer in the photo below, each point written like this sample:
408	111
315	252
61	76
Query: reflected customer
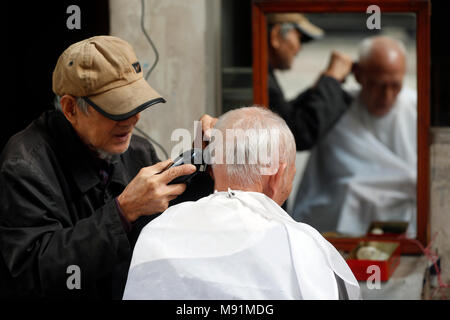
365	169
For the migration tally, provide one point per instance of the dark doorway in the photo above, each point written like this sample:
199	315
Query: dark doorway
440	66
36	35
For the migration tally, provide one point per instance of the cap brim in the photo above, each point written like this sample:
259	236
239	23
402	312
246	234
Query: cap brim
121	103
308	34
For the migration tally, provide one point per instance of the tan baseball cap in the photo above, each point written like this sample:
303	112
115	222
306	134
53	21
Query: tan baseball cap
308	30
105	72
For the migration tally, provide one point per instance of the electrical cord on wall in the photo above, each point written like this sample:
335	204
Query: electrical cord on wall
148	74
153	141
149	41
432	257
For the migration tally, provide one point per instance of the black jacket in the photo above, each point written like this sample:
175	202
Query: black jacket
311	114
56	211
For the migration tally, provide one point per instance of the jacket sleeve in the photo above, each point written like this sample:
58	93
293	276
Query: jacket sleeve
40	245
314	112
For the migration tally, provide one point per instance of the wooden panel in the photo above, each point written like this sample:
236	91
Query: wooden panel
260	59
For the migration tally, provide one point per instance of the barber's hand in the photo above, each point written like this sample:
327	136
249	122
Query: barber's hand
208	122
340	66
148	193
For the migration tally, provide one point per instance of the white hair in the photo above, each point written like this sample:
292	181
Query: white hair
368	44
262	127
81	103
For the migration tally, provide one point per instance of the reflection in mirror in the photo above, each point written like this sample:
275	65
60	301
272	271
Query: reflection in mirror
357	140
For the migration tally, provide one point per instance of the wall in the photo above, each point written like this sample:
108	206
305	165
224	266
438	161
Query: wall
440	197
184	33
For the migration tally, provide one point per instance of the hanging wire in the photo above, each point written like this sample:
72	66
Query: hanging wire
149	40
433	258
148	74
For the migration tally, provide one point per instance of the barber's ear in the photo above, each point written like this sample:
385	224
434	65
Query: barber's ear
275	36
276	182
69	107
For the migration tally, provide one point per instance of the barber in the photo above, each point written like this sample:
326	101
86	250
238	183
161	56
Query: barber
313	112
76	186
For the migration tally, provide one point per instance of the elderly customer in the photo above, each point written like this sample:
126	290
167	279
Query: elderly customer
76	186
365	169
238	243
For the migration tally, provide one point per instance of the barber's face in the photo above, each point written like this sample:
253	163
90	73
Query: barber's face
101	133
380	87
285	48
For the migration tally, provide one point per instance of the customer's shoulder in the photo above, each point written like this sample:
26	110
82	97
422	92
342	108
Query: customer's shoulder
182	212
407	101
201	205
408	96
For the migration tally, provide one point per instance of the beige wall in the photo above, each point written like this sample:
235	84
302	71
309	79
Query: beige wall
186	72
440	197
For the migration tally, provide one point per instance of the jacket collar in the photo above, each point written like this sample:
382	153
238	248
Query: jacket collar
78	158
119	173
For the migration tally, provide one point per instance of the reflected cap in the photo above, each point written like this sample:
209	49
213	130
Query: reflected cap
308	30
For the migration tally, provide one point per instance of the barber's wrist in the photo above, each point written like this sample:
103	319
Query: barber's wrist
125	222
324	77
335	75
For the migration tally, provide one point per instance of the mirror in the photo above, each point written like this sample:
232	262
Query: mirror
360	179
364	178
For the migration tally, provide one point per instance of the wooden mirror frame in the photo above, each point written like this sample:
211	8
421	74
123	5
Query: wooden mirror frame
422	10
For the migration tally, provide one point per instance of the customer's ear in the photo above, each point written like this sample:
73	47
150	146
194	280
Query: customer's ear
276	186
69	108
275	36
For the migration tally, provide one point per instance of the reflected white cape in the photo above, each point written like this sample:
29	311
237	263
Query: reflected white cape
364	170
234	245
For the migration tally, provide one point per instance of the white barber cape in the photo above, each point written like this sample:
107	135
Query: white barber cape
235	245
364	170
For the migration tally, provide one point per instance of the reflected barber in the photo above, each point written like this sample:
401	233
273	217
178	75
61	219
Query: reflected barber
313	112
76	186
